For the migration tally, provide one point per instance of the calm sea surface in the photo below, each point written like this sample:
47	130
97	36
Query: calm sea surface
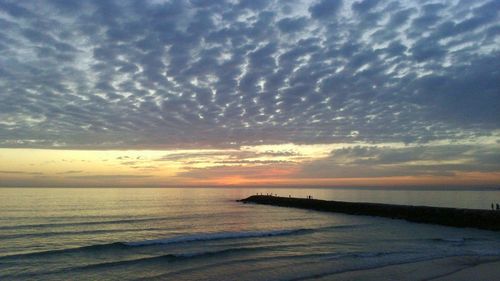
203	234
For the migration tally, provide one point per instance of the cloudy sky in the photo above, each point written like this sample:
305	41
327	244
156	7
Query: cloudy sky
250	92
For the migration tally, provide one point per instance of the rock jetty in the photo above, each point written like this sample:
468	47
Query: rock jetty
482	219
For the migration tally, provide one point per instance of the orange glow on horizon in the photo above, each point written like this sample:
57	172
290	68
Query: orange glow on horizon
32	167
231	180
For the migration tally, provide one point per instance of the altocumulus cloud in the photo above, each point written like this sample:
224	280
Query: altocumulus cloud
146	74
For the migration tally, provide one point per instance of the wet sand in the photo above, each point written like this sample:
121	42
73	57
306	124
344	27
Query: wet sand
463	268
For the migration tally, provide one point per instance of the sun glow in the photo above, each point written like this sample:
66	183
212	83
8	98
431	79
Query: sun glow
286	164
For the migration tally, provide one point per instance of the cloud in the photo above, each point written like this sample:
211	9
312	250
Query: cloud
111	177
232	157
233	162
219	74
20	173
71	172
325	8
183	156
285	153
268	171
374	161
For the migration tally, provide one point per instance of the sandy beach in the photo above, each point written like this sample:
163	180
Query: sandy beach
463	268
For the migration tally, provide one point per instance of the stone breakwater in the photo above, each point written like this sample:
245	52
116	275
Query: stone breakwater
482	219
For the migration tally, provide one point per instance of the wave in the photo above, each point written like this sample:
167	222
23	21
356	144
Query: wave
454	240
217	236
151	259
367	254
77	232
174	257
166	241
99	222
450	240
51	225
90	248
177	257
343	226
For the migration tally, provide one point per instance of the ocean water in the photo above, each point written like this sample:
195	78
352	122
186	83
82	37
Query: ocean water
203	234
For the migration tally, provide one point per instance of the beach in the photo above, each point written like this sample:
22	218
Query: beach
463	268
249	140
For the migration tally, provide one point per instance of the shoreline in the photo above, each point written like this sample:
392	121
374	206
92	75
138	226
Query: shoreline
457	268
481	219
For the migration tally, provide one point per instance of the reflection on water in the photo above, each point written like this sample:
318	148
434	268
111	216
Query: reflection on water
195	233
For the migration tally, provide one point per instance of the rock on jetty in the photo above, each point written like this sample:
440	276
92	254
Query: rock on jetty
482	219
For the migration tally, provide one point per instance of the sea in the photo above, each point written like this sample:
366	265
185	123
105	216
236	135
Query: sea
204	234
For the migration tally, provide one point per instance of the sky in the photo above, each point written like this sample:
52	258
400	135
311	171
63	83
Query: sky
250	92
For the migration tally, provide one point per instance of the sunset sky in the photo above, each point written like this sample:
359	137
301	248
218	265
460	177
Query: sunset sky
250	92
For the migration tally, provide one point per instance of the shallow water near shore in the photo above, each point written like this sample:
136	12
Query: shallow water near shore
203	234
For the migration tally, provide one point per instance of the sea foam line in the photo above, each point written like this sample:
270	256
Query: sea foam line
165	241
